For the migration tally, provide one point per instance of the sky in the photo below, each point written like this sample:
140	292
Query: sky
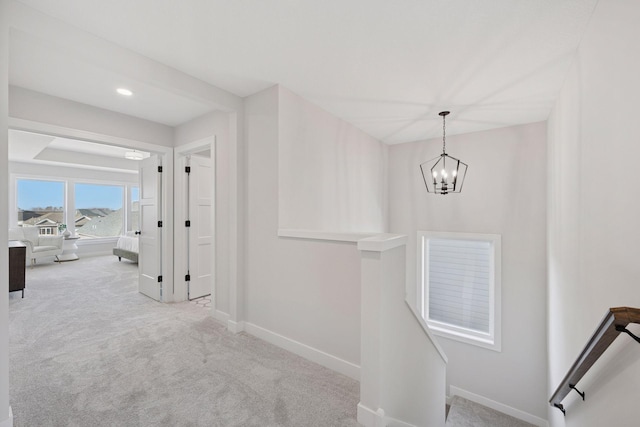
32	194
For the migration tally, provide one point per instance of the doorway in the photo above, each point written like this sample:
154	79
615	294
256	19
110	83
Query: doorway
85	167
195	209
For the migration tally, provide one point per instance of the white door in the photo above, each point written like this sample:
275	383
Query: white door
150	238
201	229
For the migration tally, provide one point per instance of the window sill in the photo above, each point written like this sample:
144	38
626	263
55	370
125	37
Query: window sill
324	235
487	343
97	241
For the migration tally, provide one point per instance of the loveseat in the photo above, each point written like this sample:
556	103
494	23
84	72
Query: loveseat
37	246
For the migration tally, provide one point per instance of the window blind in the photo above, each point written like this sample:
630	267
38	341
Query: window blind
459	282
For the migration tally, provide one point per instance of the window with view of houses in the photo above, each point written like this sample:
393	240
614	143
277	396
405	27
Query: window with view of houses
41	204
102	205
100	209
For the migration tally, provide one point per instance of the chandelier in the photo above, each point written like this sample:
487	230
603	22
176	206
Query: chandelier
443	174
133	155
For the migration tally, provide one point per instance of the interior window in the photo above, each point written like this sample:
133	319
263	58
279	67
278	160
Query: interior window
460	282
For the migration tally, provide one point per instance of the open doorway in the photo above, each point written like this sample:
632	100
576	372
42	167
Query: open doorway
86	193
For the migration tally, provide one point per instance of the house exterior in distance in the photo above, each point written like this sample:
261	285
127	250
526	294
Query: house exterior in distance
48	222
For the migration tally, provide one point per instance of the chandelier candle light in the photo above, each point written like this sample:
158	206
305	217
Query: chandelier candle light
443	174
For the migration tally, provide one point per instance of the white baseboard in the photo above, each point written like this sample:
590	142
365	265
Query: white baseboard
501	407
325	359
9	421
370	418
235	327
221	316
392	422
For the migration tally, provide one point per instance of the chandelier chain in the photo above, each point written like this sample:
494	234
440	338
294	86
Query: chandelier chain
444	117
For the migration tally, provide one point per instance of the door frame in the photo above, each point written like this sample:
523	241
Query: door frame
164	153
180	238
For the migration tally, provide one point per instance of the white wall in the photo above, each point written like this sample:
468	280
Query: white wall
403	368
504	193
38	107
593	216
218	124
4	187
332	176
307	291
36	112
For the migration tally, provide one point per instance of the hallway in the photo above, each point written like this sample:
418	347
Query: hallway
96	352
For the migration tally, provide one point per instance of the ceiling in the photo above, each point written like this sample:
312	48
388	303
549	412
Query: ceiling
388	67
28	147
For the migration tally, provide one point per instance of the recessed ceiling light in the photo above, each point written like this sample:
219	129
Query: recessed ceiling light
124	92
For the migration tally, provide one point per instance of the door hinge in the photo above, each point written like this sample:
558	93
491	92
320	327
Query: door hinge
187	223
160	169
187	278
159	223
159	279
187	169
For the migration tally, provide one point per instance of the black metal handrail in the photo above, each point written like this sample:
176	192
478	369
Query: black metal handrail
613	323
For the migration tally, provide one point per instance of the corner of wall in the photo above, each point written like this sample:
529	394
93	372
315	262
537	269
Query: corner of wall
4	215
9	421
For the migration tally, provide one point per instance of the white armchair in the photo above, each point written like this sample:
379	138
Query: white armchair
37	246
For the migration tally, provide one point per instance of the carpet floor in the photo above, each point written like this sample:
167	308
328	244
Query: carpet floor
465	413
86	349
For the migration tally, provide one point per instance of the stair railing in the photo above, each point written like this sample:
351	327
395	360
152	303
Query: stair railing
613	323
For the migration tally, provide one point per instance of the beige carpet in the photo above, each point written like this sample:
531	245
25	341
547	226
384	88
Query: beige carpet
86	349
465	413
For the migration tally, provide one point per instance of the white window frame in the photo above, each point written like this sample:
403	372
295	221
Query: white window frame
129	226
69	199
491	340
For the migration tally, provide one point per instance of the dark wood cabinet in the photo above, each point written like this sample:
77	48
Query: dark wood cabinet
17	260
